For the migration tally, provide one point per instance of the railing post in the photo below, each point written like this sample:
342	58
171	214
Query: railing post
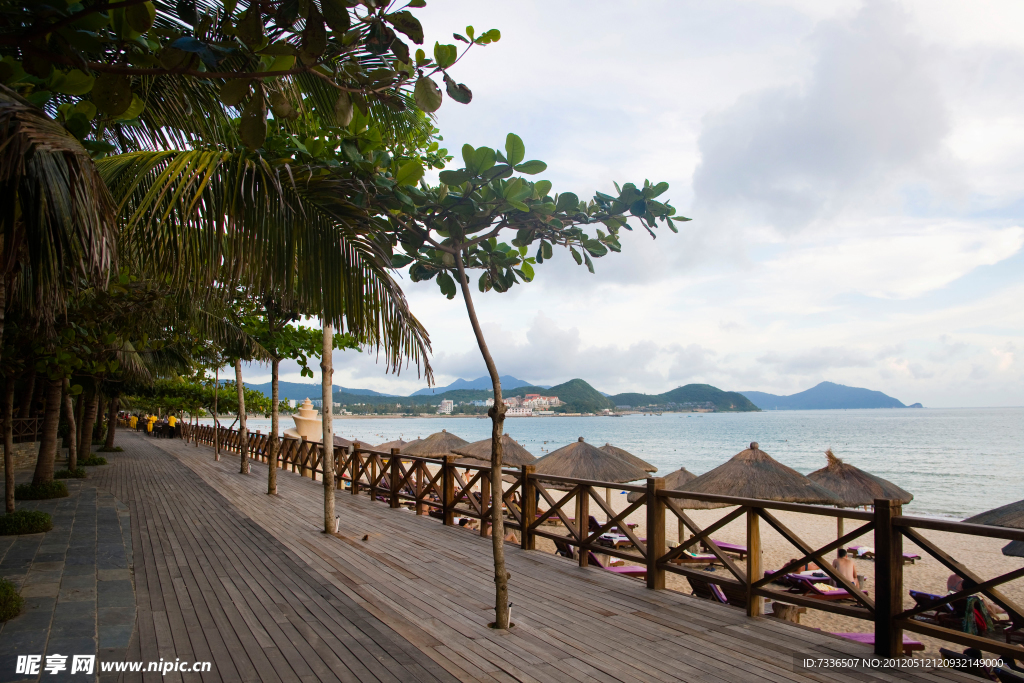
420	508
395	464
257	452
354	468
528	487
583	524
485	500
373	477
888	579
656	546
755	603
448	489
338	454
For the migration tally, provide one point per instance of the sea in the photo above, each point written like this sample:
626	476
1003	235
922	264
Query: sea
956	461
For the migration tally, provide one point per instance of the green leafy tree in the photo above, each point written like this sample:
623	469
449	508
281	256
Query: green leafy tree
443	232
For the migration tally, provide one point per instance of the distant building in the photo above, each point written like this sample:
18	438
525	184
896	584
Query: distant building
482	404
292	403
446	407
623	407
519	412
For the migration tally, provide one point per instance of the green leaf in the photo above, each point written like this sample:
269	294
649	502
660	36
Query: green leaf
253	126
281	107
134	109
532	167
457	91
471	32
595	248
515	150
590	264
492	36
445	55
483	159
343	111
512	187
576	256
567	201
519	205
658	189
453	177
407	24
336	14
447	284
427	95
314	38
112	94
234	92
141	17
400	261
638	208
542	187
250	27
546	250
527	271
74	82
282	63
410	173
279	47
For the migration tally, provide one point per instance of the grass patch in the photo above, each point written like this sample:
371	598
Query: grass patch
115	449
10	601
77	473
25	522
93	460
53	489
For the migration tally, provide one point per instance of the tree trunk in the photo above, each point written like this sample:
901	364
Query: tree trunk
111	424
48	441
216	422
327	382
69	415
8	408
88	424
497	415
25	409
275	365
243	435
79	421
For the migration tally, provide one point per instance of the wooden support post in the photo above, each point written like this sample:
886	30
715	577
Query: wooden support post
888	579
839	527
373	477
583	523
339	467
420	508
396	472
656	546
354	468
755	603
257	451
448	489
485	501
529	507
304	451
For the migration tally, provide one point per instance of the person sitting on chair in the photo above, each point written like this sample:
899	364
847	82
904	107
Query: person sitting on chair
845	567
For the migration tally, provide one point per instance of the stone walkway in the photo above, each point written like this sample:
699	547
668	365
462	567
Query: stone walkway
76	581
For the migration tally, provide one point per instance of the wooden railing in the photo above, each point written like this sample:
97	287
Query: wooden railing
445	489
25	428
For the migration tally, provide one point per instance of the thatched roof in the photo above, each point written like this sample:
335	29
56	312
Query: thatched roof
1014	549
1011	515
436	445
512	454
388	445
629	457
673	482
340	441
854	486
755	474
583	461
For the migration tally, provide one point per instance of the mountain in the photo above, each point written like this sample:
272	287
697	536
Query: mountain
825	396
693	395
579	397
298	391
508	382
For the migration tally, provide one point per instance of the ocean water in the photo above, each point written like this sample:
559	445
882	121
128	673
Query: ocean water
956	461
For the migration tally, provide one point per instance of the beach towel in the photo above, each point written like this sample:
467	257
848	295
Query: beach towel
977	620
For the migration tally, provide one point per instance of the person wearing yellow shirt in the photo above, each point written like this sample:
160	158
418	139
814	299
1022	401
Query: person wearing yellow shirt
150	422
133	422
172	421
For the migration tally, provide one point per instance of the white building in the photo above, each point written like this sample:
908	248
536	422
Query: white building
446	407
519	412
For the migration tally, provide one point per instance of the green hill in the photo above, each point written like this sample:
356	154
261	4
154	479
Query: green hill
579	397
689	396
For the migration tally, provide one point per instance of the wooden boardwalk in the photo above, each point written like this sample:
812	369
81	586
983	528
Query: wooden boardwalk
248	581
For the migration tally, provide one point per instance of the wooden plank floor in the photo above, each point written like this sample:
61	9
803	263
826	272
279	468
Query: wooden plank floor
213	585
432	585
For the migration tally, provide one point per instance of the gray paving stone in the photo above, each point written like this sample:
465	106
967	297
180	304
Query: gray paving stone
115	594
116	636
79	570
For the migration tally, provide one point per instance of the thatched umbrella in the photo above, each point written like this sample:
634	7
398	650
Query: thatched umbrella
854	486
512	454
755	474
580	460
1011	515
629	457
436	445
339	441
388	445
673	482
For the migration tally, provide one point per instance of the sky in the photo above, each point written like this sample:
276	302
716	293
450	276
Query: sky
854	172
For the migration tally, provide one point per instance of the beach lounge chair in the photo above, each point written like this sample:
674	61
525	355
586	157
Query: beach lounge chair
865	552
725	593
629	570
822	591
693	558
564	549
703	589
909	644
920	598
728	548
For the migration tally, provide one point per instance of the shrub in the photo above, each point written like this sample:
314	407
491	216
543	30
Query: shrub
115	449
10	601
25	522
53	489
77	473
93	460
